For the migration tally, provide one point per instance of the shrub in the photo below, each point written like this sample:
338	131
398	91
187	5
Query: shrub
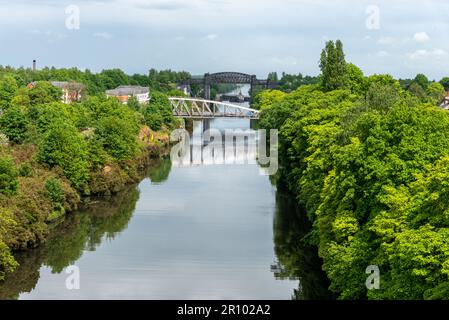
8	176
153	118
14	124
158	111
63	146
7	262
118	136
54	192
25	170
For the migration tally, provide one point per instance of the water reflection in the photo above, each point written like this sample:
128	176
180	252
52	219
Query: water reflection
217	146
297	259
79	232
159	172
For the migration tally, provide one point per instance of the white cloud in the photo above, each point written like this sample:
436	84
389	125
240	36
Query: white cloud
383	53
392	40
386	40
103	35
49	34
421	37
426	54
211	37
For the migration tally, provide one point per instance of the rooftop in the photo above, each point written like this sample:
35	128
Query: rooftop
63	84
127	90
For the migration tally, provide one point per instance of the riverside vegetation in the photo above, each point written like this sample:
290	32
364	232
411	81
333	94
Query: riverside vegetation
53	154
369	161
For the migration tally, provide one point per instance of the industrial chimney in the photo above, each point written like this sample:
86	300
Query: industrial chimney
34	65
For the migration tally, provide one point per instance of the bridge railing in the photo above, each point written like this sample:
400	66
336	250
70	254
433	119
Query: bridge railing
203	108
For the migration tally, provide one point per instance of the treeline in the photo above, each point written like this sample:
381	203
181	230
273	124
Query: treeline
369	161
53	153
290	82
418	86
97	83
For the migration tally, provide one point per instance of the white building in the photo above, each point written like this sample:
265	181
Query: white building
123	93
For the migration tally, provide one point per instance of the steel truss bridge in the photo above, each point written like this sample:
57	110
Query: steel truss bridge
206	109
228	77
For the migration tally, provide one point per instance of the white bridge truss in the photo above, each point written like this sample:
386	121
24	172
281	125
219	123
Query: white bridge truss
203	109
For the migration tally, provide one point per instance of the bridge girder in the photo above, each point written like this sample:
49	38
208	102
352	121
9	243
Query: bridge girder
205	109
228	77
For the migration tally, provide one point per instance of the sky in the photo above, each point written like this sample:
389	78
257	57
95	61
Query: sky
399	37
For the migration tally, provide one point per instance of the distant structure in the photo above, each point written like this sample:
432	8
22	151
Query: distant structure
185	88
445	104
34	65
238	98
228	77
123	93
71	91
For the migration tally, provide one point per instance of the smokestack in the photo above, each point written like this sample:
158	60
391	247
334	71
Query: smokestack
34	65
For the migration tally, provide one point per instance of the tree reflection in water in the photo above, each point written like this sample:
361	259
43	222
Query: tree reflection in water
159	172
297	259
82	230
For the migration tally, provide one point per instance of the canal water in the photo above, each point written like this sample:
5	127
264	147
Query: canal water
199	231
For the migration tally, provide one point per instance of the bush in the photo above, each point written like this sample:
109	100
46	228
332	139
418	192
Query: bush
8	89
7	262
44	92
153	118
158	112
25	170
63	146
8	176
14	124
54	192
119	137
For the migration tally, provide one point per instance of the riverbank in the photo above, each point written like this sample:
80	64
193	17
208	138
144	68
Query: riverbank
45	195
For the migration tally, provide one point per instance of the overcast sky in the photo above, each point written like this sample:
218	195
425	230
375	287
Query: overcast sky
400	37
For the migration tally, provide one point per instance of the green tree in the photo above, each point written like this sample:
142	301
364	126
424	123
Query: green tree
355	80
8	89
8	176
14	124
333	66
133	103
435	93
22	99
119	137
62	146
7	262
158	111
55	193
445	83
382	97
273	77
44	92
417	90
422	81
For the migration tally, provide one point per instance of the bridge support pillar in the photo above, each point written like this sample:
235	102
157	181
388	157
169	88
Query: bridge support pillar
207	83
206	124
252	88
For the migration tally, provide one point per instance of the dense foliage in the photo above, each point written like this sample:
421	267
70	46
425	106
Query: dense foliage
96	83
370	163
